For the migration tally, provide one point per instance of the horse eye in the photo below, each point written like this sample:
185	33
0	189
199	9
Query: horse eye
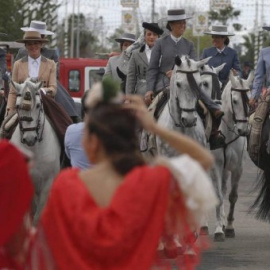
178	84
38	105
234	101
205	84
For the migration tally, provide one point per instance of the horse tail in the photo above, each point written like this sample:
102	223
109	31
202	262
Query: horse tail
262	202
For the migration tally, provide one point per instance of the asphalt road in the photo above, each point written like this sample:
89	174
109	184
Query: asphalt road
250	249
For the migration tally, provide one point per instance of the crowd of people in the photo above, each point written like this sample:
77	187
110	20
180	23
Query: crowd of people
112	209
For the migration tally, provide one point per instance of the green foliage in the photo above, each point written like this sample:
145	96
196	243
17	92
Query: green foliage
111	88
223	15
249	45
205	41
11	19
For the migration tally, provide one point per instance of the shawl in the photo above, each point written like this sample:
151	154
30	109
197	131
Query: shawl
124	235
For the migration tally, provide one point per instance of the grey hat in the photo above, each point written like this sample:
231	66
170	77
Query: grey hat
266	28
219	30
177	15
39	27
126	37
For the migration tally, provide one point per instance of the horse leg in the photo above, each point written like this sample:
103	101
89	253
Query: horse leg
42	199
225	178
233	196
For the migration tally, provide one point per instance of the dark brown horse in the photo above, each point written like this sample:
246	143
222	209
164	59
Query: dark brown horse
262	202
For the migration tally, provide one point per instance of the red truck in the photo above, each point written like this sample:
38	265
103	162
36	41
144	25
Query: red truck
78	74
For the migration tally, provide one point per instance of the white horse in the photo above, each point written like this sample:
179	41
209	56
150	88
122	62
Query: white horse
180	112
35	133
229	160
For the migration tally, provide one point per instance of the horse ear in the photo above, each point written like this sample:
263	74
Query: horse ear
250	77
219	68
203	61
39	85
232	78
178	61
16	86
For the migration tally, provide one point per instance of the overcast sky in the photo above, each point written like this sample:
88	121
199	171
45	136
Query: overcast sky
111	9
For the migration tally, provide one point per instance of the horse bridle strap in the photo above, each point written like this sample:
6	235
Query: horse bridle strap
216	90
30	119
244	101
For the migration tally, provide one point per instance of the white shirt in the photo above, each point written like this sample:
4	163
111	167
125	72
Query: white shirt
33	66
148	52
175	39
220	51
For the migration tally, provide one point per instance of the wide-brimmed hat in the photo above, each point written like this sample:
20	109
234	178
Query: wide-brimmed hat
266	28
126	37
39	27
154	27
177	15
32	36
16	190
219	30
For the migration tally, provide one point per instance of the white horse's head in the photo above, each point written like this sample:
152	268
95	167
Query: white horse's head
184	90
235	101
29	109
210	83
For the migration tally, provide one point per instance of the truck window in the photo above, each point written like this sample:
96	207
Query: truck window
94	76
74	80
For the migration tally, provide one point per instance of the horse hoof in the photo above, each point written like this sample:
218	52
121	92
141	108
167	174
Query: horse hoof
219	237
204	230
229	233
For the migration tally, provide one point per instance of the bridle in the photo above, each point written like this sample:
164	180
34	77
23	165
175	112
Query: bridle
39	124
244	98
195	89
216	89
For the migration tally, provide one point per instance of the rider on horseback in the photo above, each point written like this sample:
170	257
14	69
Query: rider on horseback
162	63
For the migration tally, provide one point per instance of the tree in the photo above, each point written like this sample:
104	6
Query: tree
223	15
11	19
205	41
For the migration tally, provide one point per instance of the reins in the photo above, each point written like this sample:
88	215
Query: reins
216	89
195	89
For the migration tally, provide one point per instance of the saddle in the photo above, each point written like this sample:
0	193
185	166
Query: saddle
256	120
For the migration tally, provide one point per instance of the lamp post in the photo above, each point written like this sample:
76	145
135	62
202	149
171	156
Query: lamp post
78	32
72	32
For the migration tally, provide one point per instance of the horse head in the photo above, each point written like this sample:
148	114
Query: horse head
29	109
184	90
210	83
235	102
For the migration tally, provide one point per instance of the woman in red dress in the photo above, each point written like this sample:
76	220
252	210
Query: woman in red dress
113	215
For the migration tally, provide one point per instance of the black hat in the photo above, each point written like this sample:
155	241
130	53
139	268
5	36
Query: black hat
126	37
266	28
153	27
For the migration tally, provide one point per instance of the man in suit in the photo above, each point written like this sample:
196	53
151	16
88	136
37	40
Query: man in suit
262	73
138	63
62	96
119	61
